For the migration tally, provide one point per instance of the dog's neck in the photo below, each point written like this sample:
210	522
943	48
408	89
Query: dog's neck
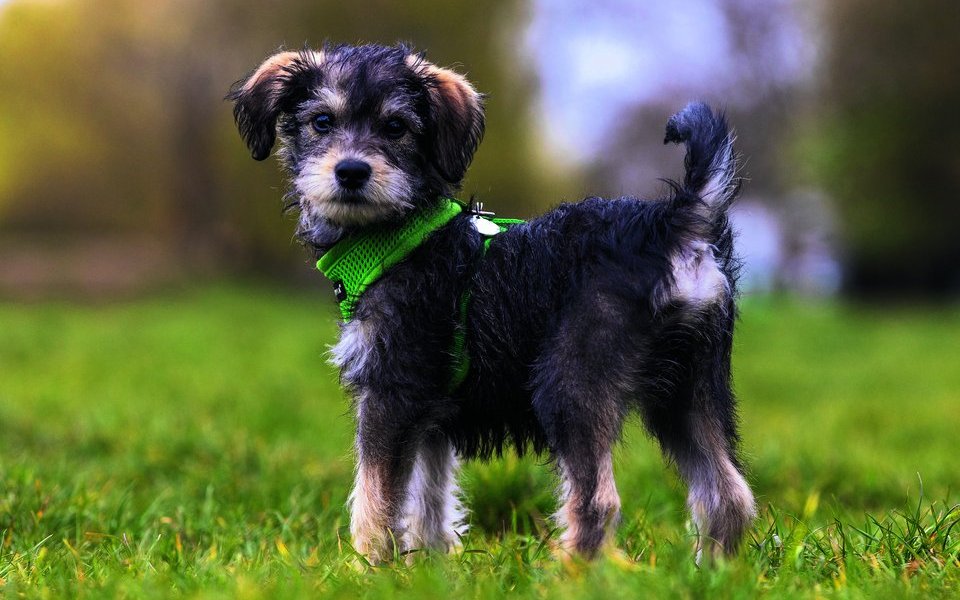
319	234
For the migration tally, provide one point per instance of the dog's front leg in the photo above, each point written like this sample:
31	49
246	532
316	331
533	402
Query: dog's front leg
386	451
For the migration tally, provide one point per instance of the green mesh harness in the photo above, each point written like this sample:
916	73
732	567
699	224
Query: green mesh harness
355	263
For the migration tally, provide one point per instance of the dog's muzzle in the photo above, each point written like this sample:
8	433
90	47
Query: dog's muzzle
352	174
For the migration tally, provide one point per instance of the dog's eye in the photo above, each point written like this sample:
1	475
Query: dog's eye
323	123
395	128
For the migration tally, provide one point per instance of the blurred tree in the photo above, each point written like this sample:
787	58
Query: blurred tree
112	119
888	146
61	87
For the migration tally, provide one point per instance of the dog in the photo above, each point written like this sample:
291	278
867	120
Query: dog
570	322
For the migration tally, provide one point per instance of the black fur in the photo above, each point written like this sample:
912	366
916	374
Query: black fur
577	318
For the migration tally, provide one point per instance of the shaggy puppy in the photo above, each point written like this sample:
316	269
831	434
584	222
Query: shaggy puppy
464	335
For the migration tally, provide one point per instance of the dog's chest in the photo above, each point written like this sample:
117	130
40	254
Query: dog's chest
354	352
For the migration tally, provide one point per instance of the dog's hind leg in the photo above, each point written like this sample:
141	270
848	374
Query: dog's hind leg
590	508
433	512
696	428
579	388
719	498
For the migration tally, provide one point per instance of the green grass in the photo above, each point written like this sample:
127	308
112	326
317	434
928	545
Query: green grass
197	444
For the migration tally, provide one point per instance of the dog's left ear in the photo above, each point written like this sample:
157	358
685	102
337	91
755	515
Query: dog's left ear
457	114
273	88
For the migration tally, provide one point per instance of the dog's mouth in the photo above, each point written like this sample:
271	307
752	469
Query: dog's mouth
355	207
352	197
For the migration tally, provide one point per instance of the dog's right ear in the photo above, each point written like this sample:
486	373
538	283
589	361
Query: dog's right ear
274	87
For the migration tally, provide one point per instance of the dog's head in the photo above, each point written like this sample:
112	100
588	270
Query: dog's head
367	132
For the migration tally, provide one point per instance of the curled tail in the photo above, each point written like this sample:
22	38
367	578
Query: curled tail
710	182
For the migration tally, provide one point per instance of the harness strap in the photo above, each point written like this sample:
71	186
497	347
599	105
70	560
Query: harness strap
462	367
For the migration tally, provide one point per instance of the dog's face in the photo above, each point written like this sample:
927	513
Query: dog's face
367	132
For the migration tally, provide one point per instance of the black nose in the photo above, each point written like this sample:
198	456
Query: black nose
352	174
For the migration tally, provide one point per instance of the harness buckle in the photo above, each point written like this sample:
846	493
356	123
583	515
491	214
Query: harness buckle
476	208
339	291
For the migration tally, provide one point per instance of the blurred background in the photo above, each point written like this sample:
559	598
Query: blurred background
121	171
162	336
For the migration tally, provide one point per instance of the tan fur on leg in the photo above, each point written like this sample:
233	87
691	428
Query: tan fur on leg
370	514
720	500
604	500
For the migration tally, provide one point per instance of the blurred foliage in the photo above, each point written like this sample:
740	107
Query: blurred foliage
888	148
112	126
112	119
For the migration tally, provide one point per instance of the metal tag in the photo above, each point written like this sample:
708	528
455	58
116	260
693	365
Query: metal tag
485	227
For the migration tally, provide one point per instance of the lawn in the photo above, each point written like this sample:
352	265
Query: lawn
197	444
